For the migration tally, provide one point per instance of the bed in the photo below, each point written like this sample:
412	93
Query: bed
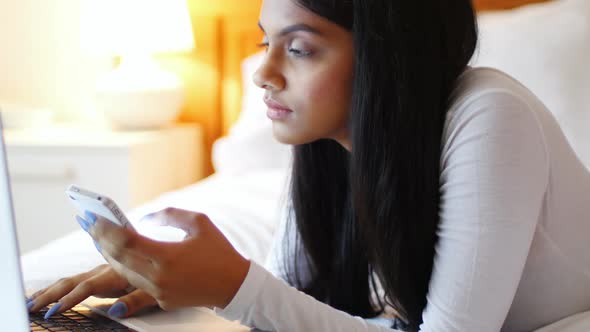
545	45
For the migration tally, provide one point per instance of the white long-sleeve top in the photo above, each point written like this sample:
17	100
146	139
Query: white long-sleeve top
514	236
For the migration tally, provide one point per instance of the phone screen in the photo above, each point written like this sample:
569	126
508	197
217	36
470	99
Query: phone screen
100	205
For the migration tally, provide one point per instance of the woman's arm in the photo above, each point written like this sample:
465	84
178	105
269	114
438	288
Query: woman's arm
269	304
494	176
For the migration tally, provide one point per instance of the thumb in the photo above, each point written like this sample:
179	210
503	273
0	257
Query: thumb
131	303
185	220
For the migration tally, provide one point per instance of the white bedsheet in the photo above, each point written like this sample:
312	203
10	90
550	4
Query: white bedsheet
246	209
575	323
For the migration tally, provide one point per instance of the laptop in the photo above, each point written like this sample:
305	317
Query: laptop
91	314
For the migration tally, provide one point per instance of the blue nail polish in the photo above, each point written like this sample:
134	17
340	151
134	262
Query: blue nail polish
30	304
118	310
97	246
85	226
53	310
91	217
148	216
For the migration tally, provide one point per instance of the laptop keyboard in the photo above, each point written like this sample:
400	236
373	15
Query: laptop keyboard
78	319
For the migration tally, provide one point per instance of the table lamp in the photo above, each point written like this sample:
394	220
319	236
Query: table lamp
138	93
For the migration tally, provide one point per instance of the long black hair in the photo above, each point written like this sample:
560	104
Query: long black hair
375	210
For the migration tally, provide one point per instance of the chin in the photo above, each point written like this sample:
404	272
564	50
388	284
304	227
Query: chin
287	136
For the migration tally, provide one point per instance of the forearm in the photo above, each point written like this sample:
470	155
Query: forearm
269	304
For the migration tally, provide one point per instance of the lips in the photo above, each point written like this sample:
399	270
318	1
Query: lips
275	105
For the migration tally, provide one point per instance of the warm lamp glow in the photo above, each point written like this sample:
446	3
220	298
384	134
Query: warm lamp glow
138	93
121	27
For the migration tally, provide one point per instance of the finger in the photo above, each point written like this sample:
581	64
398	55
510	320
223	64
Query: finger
129	248
83	290
30	301
148	217
123	239
53	293
81	276
183	219
131	303
36	294
134	278
139	263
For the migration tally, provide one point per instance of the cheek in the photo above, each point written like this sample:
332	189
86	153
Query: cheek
327	99
322	107
322	88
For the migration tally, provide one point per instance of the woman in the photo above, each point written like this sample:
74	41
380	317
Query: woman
441	196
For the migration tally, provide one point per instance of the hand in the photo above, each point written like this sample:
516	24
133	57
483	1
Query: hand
102	281
202	270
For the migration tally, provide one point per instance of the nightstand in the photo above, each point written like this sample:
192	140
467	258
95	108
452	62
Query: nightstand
129	167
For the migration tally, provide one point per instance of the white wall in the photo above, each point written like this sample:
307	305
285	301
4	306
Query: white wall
41	64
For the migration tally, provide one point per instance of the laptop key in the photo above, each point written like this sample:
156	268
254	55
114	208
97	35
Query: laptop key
74	321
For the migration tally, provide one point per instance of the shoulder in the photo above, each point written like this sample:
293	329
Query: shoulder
490	89
493	114
488	101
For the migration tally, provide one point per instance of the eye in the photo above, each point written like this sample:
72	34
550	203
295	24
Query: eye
299	48
299	53
264	44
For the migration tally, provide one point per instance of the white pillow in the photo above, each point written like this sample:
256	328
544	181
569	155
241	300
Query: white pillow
250	144
546	46
575	323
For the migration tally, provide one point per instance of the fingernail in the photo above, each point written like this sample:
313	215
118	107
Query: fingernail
148	216
53	310
118	310
30	304
97	246
91	217
83	224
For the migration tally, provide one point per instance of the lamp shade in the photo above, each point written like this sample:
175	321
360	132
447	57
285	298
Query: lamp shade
122	27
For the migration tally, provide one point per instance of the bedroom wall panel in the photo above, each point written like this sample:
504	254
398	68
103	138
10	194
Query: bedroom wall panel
223	32
502	4
199	71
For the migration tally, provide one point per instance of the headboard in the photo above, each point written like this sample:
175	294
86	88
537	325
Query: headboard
226	32
482	5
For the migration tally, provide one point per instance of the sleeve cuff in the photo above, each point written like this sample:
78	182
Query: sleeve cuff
246	295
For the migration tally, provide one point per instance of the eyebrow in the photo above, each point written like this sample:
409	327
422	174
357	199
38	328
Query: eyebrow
295	27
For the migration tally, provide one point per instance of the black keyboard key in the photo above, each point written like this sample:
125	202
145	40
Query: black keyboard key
80	319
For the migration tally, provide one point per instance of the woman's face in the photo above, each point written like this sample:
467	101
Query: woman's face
307	70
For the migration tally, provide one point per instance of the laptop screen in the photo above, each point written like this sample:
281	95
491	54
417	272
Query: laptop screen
12	305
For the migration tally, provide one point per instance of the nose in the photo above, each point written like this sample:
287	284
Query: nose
268	77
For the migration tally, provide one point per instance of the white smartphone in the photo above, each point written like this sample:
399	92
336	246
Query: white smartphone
86	200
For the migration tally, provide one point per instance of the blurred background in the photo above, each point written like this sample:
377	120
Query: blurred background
123	97
55	51
151	103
